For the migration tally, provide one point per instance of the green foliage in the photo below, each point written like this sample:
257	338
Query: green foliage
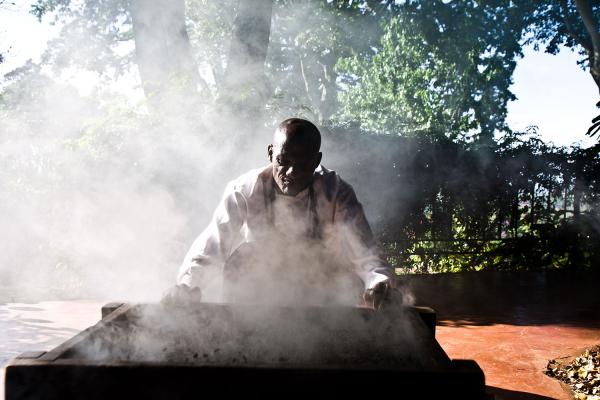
404	88
96	35
556	24
445	206
572	24
402	67
307	39
442	67
433	76
209	25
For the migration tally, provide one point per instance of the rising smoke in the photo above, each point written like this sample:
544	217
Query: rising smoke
102	193
251	336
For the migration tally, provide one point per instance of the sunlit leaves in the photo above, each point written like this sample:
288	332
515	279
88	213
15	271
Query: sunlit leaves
96	35
582	374
442	68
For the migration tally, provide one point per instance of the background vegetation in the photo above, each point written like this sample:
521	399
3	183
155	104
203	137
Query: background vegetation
411	96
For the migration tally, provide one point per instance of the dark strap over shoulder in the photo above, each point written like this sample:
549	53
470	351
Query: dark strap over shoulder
314	231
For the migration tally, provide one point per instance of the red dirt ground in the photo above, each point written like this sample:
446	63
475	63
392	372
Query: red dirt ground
510	323
513	324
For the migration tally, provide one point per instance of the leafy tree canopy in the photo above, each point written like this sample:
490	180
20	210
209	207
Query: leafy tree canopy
441	67
569	23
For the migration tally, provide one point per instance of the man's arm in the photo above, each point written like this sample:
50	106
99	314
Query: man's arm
203	264
360	246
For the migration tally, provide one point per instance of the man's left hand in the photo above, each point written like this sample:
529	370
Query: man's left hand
377	296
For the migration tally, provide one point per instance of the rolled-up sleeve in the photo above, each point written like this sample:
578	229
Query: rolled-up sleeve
357	241
203	263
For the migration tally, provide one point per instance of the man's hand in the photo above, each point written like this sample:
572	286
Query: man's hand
378	296
181	295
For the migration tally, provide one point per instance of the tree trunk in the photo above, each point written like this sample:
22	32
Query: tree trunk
515	215
584	9
549	207
532	214
577	192
320	86
565	199
578	187
245	85
163	53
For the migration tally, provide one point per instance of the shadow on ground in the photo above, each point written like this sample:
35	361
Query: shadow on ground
505	394
567	298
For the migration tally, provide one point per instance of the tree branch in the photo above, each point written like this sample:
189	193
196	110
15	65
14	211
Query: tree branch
584	8
306	86
572	32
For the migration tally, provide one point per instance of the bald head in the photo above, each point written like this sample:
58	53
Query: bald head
299	133
295	154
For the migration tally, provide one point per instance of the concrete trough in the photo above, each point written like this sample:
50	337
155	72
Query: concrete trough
158	352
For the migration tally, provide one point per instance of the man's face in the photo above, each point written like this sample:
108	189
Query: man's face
293	166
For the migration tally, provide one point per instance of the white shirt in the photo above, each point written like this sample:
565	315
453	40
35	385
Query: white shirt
251	210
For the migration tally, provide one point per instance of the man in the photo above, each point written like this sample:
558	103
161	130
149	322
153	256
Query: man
291	230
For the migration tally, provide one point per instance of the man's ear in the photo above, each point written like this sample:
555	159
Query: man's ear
270	152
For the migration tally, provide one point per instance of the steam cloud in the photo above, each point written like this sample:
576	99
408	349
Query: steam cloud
102	194
259	336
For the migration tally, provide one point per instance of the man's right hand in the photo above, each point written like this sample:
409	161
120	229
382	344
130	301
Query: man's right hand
181	295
